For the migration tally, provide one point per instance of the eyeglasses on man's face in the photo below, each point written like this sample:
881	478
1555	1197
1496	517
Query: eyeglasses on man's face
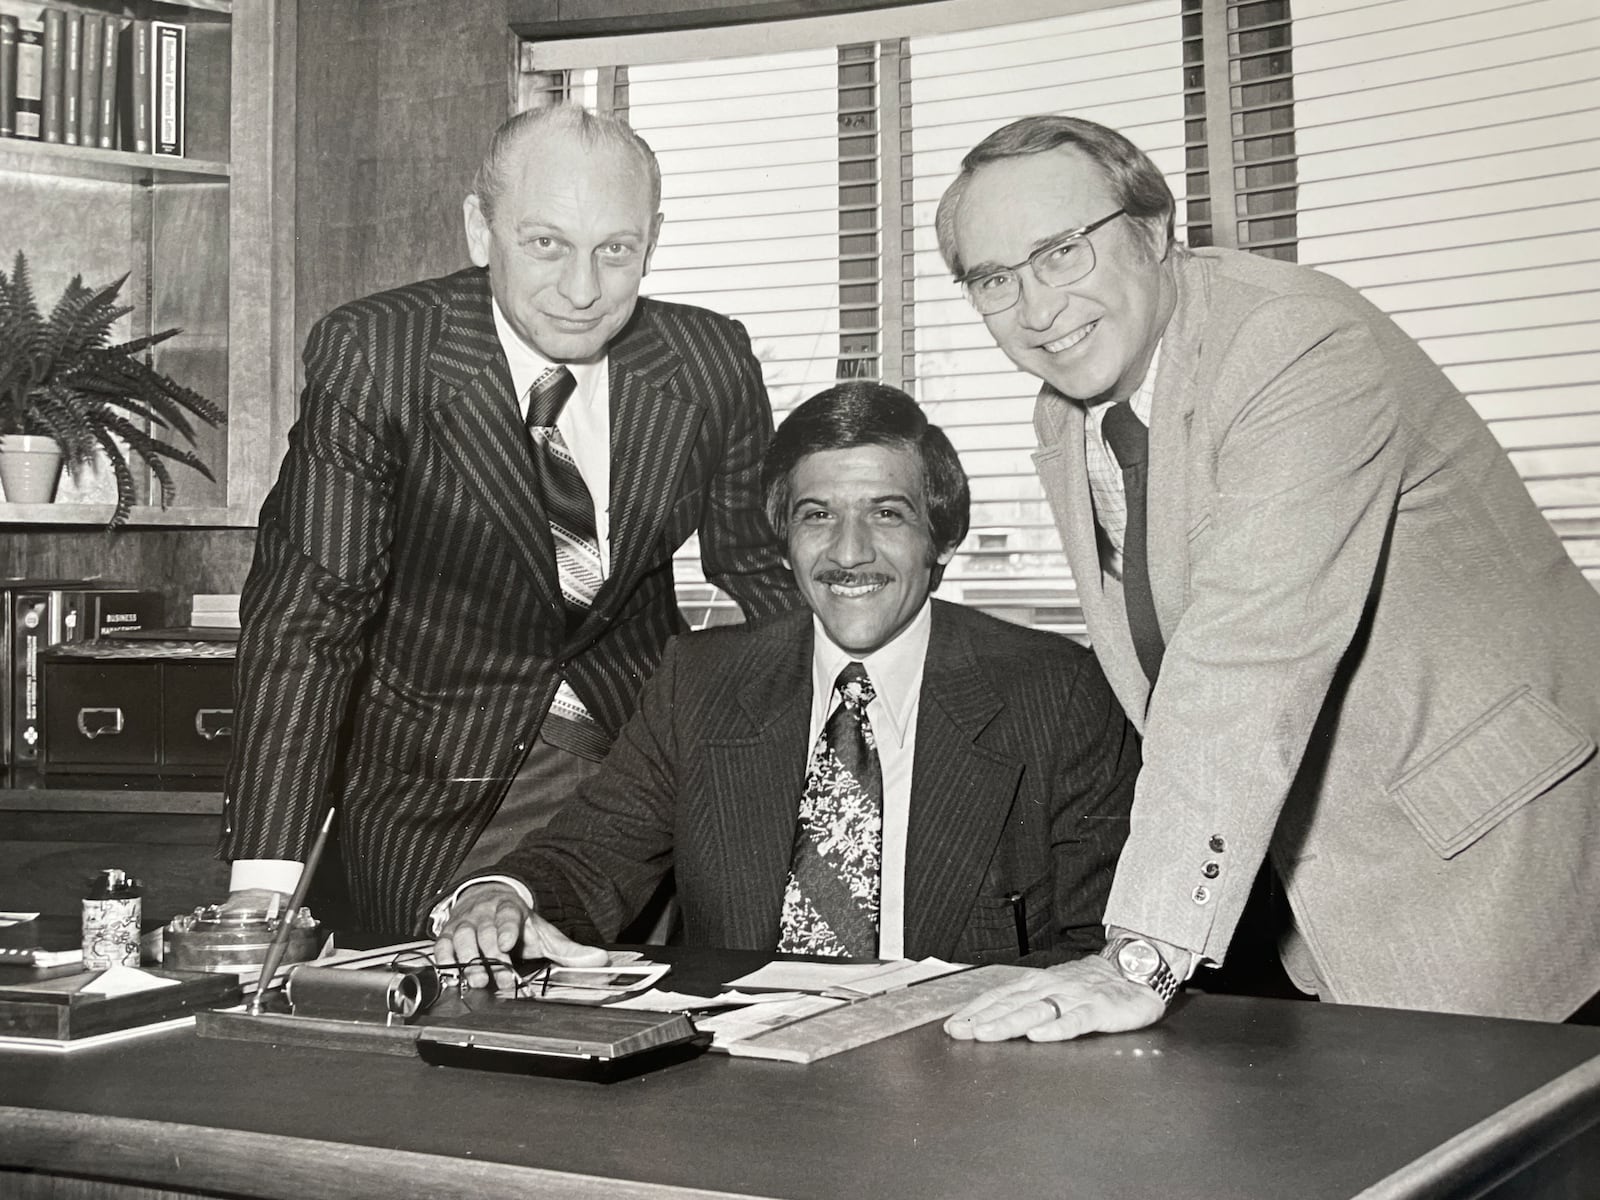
1064	261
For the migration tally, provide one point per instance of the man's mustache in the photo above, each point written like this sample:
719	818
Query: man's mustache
841	578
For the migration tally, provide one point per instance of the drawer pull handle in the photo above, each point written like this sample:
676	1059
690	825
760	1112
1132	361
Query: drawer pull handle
221	728
97	722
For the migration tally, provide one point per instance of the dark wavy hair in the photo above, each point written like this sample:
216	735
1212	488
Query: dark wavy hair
862	413
1136	182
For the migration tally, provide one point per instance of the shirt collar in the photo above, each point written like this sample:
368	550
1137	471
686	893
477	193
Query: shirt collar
895	670
527	364
1143	398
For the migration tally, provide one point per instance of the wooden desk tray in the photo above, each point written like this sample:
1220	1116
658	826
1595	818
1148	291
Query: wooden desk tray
57	1008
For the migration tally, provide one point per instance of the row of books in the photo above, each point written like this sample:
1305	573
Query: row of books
39	613
91	79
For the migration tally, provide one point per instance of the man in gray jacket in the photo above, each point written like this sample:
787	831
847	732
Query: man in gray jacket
1352	643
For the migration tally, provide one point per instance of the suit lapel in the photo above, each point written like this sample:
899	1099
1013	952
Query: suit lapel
961	793
1065	474
1171	414
475	418
653	429
757	775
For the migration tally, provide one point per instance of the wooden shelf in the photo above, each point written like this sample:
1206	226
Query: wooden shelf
87	162
109	799
100	514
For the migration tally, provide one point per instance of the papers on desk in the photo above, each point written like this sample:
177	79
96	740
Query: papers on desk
125	981
20	947
810	988
846	981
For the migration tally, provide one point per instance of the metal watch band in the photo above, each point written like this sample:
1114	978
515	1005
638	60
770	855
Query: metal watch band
1161	981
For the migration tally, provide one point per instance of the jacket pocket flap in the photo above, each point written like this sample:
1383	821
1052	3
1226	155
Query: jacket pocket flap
1505	758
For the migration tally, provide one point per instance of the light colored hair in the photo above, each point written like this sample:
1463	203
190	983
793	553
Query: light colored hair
590	128
1136	182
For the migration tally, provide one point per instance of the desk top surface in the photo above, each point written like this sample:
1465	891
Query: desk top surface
1227	1097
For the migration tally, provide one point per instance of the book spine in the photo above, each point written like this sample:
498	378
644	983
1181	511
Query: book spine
89	80
8	75
134	69
30	624
111	31
8	641
29	95
167	88
108	613
72	79
55	66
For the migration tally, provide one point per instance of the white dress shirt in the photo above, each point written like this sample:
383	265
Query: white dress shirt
585	425
896	674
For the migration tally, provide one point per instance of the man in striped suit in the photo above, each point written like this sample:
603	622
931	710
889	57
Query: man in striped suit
464	572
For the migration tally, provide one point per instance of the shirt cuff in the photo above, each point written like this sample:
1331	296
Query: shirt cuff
270	874
440	913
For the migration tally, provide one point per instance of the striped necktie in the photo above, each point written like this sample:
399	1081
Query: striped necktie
1129	440
570	508
830	900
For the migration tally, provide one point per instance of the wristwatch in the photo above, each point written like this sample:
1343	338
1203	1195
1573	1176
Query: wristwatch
1140	962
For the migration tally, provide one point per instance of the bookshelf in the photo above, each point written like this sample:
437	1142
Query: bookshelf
206	240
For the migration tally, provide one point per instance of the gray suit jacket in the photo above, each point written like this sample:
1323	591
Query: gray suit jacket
1021	784
1380	662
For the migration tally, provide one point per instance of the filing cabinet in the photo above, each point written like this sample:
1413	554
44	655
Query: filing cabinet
140	709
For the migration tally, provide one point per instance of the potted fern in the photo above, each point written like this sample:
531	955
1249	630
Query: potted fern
62	380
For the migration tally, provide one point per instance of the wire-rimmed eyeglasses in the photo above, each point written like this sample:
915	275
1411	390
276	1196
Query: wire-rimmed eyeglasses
1065	260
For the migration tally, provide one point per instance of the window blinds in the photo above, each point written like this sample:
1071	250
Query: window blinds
1449	167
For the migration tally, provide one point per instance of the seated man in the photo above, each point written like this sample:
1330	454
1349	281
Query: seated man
886	776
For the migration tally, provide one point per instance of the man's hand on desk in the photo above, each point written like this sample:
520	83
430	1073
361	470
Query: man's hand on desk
489	921
1088	995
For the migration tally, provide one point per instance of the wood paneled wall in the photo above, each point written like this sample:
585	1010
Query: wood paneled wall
397	100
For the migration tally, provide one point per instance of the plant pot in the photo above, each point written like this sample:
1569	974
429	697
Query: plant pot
30	465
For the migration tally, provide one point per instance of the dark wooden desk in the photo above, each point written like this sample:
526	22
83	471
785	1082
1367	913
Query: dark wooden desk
1229	1098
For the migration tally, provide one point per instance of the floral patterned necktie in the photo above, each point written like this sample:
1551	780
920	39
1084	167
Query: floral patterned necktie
830	901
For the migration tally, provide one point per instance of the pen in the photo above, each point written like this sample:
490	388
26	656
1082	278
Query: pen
1019	913
280	939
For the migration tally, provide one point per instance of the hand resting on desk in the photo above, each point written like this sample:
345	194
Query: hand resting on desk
1090	993
490	921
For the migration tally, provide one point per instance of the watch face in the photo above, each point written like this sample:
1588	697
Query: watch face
1138	960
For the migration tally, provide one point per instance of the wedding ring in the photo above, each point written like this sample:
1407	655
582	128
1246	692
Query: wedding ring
1055	1006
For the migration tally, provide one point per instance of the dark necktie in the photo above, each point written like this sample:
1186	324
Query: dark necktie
830	901
570	510
1129	440
566	498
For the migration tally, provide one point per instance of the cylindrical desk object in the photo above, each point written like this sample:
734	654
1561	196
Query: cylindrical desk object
385	994
111	921
222	941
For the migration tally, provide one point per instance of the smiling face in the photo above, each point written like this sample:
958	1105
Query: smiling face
1093	339
859	543
569	240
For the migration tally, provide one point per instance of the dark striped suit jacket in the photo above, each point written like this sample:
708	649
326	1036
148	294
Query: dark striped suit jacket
1021	786
403	631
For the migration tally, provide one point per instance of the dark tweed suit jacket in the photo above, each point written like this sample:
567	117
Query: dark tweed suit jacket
402	623
1022	783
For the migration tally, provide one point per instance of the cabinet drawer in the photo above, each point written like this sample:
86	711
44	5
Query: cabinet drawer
197	713
102	714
